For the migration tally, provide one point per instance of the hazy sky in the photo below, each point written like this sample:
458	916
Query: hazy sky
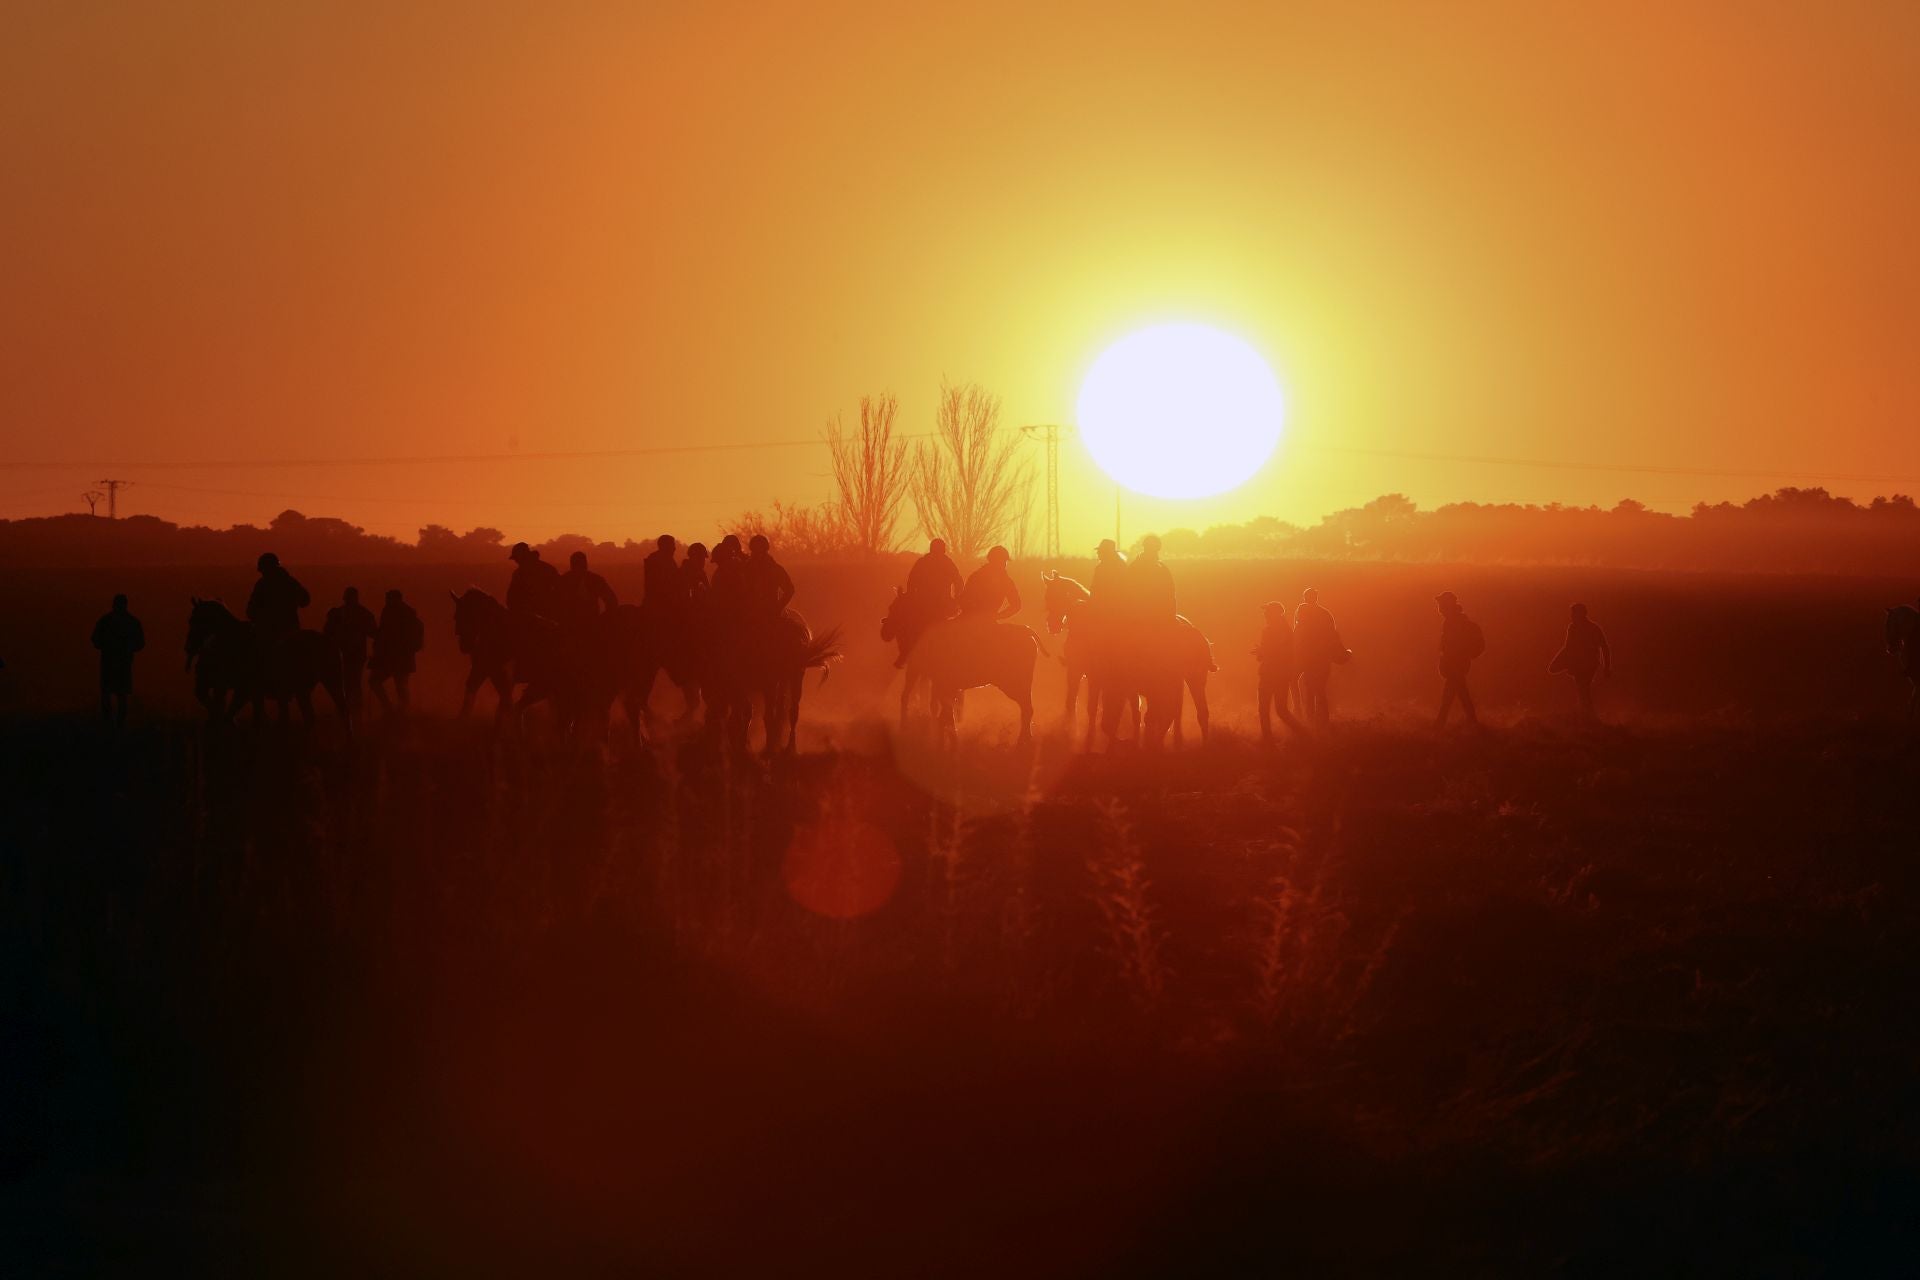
1645	234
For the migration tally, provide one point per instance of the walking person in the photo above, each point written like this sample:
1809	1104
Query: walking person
396	644
1583	656
118	636
350	625
1461	641
1274	653
1316	648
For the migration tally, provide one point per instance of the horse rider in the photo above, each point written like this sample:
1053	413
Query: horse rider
274	605
692	578
1461	641
1316	647
534	589
1109	575
586	594
663	588
351	625
729	594
1150	585
934	582
1584	655
989	594
118	636
396	642
769	587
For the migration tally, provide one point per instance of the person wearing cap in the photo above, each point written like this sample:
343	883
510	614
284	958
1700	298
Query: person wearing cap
989	594
1316	647
769	587
692	586
729	592
118	636
535	587
585	593
397	641
274	604
1108	586
1274	653
350	625
664	590
1584	655
934	582
1461	641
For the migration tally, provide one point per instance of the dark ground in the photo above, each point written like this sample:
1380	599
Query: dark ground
1551	1000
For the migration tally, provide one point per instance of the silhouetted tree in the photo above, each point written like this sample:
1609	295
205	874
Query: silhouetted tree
968	483
870	475
803	532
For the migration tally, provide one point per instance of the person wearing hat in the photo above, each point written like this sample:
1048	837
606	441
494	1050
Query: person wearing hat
729	593
1109	575
1316	647
1461	641
1584	656
274	604
1150	585
1274	653
769	586
693	576
932	594
989	594
535	587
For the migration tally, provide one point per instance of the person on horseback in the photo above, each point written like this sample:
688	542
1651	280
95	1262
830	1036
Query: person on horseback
118	636
1461	641
1108	584
586	595
664	588
933	592
534	589
351	625
692	573
729	594
1149	585
989	594
1585	655
768	586
396	641
1316	647
275	603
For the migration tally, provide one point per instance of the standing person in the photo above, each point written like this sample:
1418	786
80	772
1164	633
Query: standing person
586	593
350	625
1316	647
1274	653
769	587
534	589
118	636
663	588
1584	655
274	605
396	643
989	594
1461	641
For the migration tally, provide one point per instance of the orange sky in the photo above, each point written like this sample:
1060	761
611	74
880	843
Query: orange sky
1650	235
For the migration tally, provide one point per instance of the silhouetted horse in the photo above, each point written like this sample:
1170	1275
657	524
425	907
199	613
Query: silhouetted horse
966	653
1155	666
903	626
770	662
1903	642
505	652
230	669
645	644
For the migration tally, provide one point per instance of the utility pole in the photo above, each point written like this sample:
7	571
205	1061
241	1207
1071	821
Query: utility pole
92	498
1049	435
113	496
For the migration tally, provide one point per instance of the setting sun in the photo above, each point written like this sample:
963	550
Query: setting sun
1180	411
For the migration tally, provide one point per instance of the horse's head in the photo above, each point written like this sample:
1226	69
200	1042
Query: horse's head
1062	595
205	620
890	625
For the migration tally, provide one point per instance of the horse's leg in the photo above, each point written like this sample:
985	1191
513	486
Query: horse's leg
475	678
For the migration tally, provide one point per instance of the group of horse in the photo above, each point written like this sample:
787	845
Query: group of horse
1136	672
728	665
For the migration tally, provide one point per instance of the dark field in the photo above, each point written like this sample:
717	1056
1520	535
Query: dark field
1551	999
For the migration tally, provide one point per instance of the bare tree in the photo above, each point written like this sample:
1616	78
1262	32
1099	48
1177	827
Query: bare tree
870	475
968	482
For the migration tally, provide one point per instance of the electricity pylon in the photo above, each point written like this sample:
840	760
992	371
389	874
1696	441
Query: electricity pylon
1049	434
113	496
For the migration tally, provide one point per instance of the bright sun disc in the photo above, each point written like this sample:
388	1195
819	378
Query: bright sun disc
1180	411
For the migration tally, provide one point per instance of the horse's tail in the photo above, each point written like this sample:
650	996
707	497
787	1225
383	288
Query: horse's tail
1041	644
820	651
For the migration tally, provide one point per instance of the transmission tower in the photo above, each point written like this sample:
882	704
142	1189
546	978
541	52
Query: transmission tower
1048	434
113	496
92	498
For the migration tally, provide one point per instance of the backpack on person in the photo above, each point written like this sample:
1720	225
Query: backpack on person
1473	641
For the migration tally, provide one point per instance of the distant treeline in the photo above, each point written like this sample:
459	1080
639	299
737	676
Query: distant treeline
1791	530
